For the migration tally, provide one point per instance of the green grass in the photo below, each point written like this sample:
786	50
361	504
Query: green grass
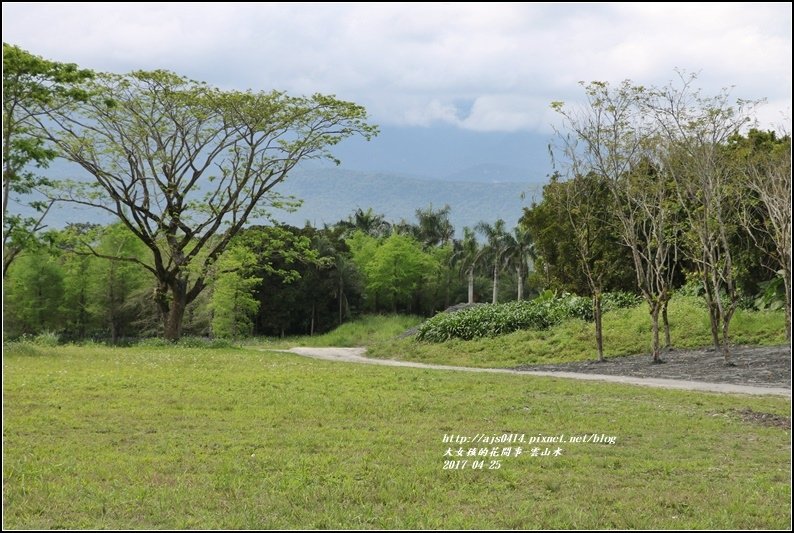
626	332
176	437
364	331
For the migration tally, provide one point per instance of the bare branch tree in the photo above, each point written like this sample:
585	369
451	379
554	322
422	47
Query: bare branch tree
612	139
769	177
695	130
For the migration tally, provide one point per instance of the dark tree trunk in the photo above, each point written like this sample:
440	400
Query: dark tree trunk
726	339
668	344
787	288
655	308
598	329
341	295
495	284
172	323
714	316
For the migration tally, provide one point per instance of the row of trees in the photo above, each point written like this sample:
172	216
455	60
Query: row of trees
661	182
271	280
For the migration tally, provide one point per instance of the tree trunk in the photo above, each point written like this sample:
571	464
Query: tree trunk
598	330
655	331
495	284
714	317
787	288
311	327
172	329
471	285
341	295
520	284
668	344
726	339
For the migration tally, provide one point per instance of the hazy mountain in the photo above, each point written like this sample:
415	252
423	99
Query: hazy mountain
481	175
451	153
330	195
485	173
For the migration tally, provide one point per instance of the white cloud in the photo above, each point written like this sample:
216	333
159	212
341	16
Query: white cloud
415	64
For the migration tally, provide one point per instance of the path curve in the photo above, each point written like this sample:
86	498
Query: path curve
356	355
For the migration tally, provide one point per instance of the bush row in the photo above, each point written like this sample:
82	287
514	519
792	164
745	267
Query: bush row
492	320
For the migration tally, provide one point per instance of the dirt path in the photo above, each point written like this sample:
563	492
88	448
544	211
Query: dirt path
356	355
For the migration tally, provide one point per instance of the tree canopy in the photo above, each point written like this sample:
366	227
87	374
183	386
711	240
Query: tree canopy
185	166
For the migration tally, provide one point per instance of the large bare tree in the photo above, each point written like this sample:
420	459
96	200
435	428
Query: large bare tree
184	165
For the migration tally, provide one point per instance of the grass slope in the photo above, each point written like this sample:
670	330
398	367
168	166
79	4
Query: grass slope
364	331
153	437
626	332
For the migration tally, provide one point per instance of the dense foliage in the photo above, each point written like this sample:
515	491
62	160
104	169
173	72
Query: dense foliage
491	320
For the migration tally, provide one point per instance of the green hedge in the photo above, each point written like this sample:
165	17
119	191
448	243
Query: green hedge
541	313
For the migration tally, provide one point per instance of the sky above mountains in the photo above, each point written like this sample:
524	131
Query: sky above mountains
454	86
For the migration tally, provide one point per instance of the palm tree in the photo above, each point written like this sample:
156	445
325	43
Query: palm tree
368	222
467	254
521	255
497	248
434	227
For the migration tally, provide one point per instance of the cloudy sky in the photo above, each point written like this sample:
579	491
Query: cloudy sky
467	68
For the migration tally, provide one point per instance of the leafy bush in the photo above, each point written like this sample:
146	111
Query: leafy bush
491	320
772	294
619	300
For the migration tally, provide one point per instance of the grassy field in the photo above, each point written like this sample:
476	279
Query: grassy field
626	332
365	331
169	437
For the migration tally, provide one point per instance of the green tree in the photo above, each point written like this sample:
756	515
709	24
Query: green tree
33	295
184	166
395	270
233	303
117	282
30	86
79	306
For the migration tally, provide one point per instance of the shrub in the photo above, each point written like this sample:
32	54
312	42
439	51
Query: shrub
492	320
47	339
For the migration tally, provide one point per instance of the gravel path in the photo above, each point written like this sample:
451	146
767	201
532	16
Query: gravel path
754	374
766	366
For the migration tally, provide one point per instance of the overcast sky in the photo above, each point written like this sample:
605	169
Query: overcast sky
488	67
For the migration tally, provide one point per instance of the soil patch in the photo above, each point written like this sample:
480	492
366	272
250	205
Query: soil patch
768	366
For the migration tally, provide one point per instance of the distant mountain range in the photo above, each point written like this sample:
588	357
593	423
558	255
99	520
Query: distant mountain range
332	194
